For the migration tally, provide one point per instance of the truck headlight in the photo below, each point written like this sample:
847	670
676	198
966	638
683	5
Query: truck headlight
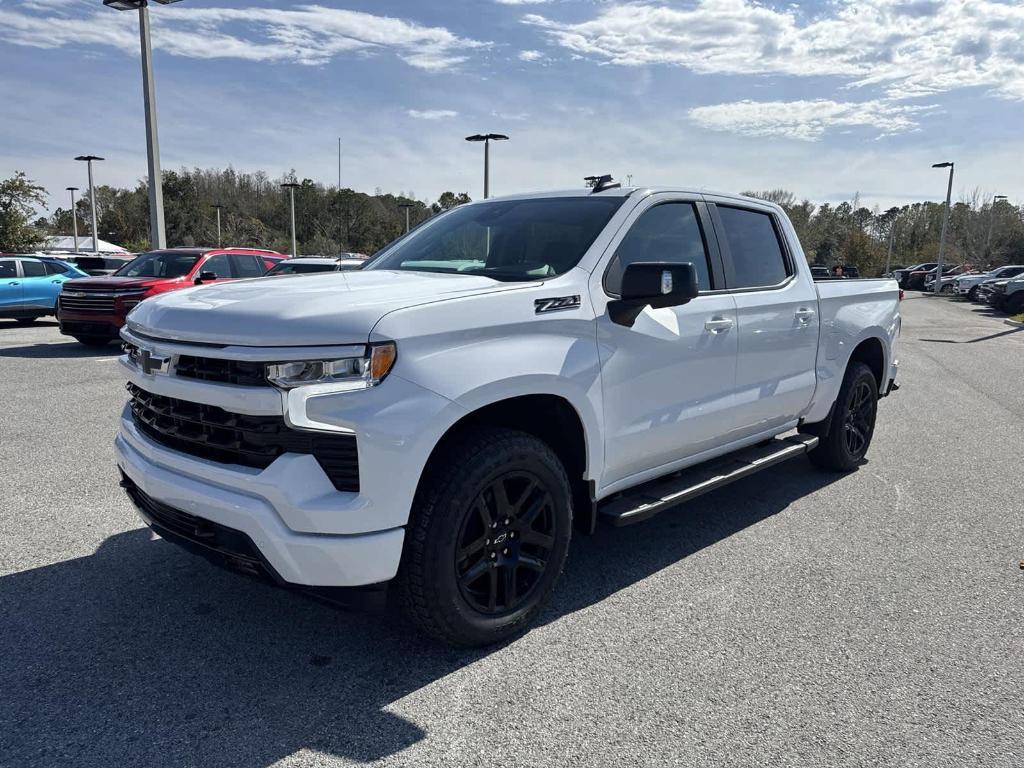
349	373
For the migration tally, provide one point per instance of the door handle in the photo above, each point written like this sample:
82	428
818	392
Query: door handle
718	324
13	284
804	314
55	282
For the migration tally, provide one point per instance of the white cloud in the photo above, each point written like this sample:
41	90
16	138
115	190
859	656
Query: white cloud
909	49
805	120
521	2
304	34
530	55
432	114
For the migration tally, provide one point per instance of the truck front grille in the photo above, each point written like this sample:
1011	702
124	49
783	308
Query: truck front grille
239	372
209	432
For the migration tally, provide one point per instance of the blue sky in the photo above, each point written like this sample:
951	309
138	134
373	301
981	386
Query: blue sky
826	99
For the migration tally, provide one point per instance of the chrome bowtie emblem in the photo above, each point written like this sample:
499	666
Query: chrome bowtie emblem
153	362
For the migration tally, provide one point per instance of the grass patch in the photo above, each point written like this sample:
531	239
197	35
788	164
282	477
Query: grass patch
1019	318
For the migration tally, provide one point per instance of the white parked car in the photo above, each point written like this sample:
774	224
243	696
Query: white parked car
438	423
967	285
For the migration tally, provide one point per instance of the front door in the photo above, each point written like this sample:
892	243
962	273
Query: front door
667	380
777	314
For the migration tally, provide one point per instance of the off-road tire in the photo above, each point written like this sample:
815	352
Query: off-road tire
834	451
430	590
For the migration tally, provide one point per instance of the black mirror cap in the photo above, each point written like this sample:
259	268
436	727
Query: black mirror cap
654	284
205	276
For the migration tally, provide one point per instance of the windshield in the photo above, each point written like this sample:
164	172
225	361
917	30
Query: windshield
159	264
507	240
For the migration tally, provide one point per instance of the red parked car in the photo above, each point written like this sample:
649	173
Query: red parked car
93	310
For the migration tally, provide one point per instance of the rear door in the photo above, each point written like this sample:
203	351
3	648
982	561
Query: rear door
777	318
39	290
247	265
10	286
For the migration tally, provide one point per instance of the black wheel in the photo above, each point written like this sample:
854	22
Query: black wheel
487	538
946	289
972	294
94	341
26	320
850	428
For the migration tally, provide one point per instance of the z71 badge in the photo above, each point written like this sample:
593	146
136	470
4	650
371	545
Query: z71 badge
557	304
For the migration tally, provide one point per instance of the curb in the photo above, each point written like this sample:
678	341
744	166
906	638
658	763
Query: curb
1013	323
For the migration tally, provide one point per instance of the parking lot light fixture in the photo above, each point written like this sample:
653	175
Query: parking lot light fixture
945	225
92	201
991	220
291	186
217	207
157	230
487	138
74	218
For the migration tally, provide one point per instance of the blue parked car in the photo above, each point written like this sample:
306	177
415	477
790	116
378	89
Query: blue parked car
30	285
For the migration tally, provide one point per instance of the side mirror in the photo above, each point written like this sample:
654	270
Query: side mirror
206	277
652	284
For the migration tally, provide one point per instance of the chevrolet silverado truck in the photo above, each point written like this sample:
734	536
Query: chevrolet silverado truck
435	426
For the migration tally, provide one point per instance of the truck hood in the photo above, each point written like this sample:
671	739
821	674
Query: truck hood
299	310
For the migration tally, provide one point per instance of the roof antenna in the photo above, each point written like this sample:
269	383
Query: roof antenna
601	183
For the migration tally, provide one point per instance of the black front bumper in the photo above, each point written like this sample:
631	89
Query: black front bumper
232	549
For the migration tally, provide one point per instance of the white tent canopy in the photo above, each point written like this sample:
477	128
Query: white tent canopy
67	243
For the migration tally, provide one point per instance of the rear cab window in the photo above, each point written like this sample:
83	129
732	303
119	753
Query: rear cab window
247	265
756	255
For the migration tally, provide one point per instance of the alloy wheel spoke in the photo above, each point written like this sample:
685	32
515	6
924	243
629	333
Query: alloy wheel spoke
474	573
510	586
492	590
472	548
537	539
531	562
526	519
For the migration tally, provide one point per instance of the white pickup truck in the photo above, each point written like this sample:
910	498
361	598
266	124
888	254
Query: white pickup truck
436	424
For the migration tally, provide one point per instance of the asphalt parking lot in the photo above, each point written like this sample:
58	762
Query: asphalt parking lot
795	618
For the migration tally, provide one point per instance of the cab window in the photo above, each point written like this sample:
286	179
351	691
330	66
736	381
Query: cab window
32	268
219	264
754	248
247	265
668	232
8	269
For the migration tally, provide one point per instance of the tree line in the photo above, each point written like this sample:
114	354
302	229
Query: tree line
255	212
980	233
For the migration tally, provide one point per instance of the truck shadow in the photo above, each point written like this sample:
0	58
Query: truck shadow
59	350
143	654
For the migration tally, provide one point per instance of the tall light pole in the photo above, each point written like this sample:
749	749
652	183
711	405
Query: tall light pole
945	224
217	207
888	256
407	206
991	220
74	217
291	186
157	232
487	138
92	201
